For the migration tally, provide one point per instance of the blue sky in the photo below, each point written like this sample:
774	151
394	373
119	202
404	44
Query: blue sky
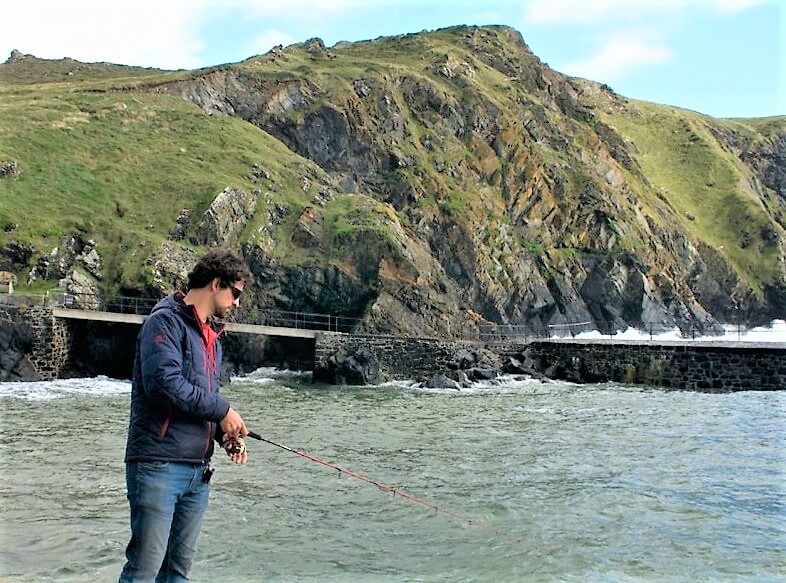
726	58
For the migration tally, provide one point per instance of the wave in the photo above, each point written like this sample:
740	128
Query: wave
774	332
58	389
268	374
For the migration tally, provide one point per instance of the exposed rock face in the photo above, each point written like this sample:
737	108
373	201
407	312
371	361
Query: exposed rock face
308	229
90	259
359	368
226	217
169	266
9	169
491	268
16	341
84	290
471	184
183	222
15	254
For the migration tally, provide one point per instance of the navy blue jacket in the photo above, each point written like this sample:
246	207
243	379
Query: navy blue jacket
175	405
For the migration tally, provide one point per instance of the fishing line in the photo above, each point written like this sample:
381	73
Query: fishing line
393	490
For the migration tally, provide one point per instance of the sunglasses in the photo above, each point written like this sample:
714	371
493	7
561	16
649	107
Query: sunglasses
235	292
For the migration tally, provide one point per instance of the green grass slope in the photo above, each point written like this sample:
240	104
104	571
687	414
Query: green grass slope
705	183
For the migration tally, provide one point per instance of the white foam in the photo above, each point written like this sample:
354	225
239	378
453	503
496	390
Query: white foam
58	389
774	332
500	384
268	374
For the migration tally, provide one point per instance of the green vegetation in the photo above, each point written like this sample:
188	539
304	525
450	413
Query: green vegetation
352	218
119	167
443	115
686	166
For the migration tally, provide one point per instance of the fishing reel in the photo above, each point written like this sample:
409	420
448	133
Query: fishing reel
234	446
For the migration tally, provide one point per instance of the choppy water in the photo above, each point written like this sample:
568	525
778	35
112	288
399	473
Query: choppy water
597	482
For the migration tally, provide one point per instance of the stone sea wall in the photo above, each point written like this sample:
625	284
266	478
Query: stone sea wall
727	366
396	357
34	345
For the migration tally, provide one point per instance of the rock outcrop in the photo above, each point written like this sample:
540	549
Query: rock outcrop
468	185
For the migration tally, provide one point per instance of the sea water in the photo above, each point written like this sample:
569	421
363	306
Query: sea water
562	482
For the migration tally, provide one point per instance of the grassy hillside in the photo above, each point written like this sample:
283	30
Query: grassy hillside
118	168
511	175
704	183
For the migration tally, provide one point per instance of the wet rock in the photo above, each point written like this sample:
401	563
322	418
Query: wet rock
360	367
441	381
465	359
482	374
16	342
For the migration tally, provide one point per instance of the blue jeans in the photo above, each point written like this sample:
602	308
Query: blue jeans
168	501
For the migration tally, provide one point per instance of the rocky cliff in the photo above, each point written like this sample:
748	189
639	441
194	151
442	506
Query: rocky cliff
426	184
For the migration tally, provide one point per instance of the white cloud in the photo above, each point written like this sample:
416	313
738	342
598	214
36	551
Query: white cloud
147	32
291	8
737	5
622	54
159	33
267	40
581	11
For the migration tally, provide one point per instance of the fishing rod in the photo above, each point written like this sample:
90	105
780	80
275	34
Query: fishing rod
393	490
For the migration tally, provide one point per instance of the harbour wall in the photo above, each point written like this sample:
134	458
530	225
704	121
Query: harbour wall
34	344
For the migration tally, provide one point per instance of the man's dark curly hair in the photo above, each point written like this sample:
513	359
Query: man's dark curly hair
222	264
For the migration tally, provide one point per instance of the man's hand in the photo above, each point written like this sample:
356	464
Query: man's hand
232	424
236	449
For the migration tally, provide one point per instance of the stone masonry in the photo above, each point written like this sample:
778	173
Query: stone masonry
399	357
51	338
51	342
726	366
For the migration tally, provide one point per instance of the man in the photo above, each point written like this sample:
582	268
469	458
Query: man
176	413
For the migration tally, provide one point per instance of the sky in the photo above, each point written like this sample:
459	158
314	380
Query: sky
725	58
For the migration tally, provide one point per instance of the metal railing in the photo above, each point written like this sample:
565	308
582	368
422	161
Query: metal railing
298	320
487	332
610	330
255	316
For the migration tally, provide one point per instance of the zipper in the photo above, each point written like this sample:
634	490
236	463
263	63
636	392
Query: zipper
209	390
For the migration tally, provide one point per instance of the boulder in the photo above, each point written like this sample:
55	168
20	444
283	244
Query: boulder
226	217
308	229
15	254
80	291
465	359
441	381
360	367
482	373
